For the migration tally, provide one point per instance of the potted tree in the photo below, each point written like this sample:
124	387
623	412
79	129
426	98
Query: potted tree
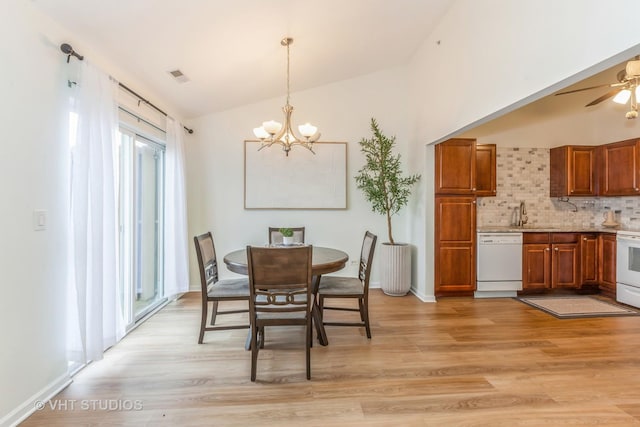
388	191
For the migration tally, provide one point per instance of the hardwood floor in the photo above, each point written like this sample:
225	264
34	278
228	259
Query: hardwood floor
458	362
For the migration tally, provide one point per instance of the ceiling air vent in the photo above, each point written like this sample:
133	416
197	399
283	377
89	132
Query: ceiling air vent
179	76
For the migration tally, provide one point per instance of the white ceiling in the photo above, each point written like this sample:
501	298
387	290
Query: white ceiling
230	50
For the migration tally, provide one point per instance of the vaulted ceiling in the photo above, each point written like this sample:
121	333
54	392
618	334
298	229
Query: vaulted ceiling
230	50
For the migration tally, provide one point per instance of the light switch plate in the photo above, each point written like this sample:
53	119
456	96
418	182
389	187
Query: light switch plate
39	220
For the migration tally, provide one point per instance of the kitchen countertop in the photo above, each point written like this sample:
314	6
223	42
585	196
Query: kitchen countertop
543	229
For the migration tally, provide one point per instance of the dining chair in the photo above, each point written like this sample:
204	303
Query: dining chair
214	290
275	237
351	287
280	294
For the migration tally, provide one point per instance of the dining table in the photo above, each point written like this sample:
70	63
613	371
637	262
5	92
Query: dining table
323	260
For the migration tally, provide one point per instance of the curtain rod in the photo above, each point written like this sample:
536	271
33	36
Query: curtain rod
66	48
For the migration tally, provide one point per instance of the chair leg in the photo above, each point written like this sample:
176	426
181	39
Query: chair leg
214	312
254	352
364	312
203	320
309	334
261	337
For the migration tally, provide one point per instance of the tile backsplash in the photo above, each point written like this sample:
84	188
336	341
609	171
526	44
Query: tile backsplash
523	175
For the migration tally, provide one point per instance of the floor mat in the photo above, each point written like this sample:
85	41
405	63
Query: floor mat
574	307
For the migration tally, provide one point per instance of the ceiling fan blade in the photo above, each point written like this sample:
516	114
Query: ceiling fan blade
607	95
584	88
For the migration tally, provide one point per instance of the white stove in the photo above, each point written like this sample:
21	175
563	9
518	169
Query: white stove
628	267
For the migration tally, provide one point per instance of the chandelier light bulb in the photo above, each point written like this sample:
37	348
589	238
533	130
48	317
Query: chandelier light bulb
272	127
307	130
260	133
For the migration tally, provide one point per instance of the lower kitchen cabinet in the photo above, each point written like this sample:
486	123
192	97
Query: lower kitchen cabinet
536	266
455	245
589	258
550	261
607	264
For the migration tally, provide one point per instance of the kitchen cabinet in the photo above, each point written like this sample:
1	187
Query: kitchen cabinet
455	167
485	170
589	258
550	261
573	171
607	264
620	168
536	266
455	245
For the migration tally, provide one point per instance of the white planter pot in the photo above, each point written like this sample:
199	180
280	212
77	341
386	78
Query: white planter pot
287	240
395	268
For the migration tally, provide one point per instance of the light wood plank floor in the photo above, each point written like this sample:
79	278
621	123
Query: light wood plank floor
458	362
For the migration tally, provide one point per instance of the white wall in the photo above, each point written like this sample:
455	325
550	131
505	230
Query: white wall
342	112
33	175
494	55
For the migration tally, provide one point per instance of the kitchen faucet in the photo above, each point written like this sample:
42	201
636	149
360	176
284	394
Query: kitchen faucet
522	215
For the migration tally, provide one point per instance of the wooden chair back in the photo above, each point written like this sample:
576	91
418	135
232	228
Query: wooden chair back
279	279
275	237
366	258
207	262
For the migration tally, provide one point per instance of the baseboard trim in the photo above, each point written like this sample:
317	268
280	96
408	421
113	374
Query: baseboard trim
23	411
423	297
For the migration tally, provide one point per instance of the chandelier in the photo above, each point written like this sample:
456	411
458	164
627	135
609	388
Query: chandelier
272	132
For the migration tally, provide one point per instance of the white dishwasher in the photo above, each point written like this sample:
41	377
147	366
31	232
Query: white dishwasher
499	265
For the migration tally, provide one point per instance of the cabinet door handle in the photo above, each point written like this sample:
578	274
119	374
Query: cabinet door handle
547	249
474	189
555	249
584	238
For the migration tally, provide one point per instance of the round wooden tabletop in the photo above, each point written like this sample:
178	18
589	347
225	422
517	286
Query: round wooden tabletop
324	260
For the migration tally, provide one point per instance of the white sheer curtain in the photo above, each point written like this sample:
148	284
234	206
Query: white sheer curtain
176	255
96	315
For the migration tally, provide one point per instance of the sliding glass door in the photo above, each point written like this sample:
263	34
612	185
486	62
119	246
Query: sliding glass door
141	165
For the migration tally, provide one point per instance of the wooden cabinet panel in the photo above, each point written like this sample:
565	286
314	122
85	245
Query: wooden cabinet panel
607	264
573	171
589	259
456	269
550	260
620	168
455	167
536	266
565	265
455	241
485	170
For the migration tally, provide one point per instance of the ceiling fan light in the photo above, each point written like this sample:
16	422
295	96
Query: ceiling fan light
622	97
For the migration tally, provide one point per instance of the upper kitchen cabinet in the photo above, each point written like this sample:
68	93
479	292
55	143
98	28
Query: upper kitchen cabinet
485	170
456	167
573	171
620	168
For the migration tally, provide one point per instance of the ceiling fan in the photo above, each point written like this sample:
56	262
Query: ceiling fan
628	87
